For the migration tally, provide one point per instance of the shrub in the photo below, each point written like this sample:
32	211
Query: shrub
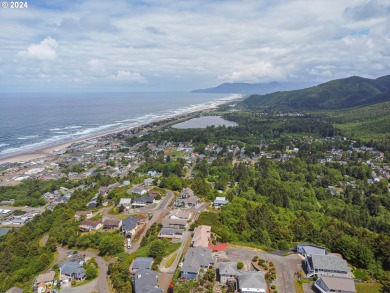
240	265
273	287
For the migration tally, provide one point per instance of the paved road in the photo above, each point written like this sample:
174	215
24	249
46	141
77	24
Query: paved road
285	266
158	215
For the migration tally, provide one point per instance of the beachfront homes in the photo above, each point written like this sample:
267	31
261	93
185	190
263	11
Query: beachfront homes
145	280
88	225
220	201
326	265
327	284
142	201
71	270
85	214
110	224
202	236
141	263
195	259
171	233
129	226
310	249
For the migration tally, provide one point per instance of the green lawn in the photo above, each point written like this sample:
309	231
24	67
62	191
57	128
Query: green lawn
367	288
170	260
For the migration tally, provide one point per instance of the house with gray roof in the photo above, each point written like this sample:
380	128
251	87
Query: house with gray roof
142	263
195	259
70	270
326	265
309	249
220	201
146	281
142	201
250	282
327	284
227	271
129	226
171	233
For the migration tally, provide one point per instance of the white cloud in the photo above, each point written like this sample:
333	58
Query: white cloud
45	50
96	65
133	77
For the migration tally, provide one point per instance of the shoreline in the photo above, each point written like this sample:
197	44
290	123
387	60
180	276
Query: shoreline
44	152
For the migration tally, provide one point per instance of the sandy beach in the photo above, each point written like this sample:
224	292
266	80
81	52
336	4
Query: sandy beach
47	151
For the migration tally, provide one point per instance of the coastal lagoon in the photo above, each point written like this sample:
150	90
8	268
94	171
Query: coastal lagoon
203	122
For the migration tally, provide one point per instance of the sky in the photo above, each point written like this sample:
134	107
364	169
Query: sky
180	45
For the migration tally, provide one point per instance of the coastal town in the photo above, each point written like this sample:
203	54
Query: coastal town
138	199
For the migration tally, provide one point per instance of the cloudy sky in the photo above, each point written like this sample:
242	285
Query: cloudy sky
179	45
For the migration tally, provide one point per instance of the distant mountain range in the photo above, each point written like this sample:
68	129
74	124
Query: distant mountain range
336	94
254	88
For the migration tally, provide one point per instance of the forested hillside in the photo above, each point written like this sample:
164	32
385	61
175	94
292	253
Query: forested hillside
336	94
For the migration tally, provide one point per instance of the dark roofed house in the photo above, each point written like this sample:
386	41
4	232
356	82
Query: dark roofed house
142	201
129	226
326	265
146	281
142	263
327	284
310	249
171	233
70	270
195	259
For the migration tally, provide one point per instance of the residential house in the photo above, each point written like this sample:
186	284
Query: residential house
138	190
88	225
41	288
141	263
189	202
125	202
220	201
71	270
146	281
86	214
195	259
180	214
174	223
142	201
129	226
327	284
171	233
309	249
110	224
202	236
228	271
250	282
47	279
326	265
186	192
148	182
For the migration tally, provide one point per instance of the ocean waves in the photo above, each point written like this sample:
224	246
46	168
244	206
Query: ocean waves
64	128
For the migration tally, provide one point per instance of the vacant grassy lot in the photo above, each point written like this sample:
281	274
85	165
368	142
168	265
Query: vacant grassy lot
368	288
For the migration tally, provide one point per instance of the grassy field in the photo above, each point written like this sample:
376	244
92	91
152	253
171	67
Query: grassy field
368	288
170	260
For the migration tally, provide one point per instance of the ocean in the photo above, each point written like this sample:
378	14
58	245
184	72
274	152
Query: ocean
32	121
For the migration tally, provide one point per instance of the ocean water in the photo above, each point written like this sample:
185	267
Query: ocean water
33	121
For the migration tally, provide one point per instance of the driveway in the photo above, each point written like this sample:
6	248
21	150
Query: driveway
286	266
